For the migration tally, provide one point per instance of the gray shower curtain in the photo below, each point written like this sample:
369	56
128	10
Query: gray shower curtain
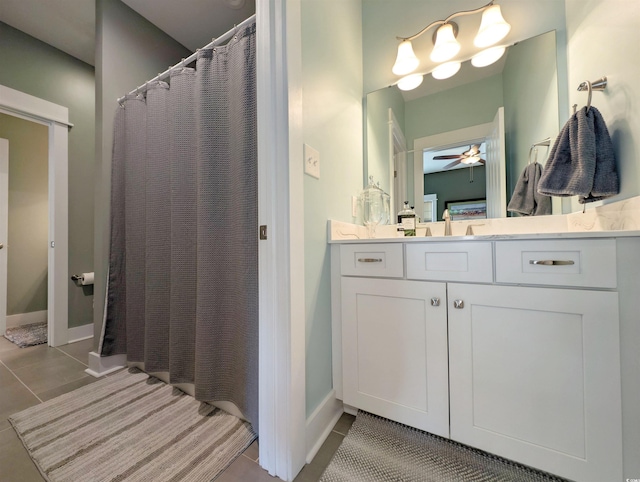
182	293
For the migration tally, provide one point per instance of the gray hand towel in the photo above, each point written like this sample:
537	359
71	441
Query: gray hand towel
526	199
605	178
581	161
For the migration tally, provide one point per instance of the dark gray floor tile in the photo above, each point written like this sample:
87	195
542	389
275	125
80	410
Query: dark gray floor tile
79	350
15	463
66	388
344	423
43	376
312	472
244	470
14	397
23	357
252	451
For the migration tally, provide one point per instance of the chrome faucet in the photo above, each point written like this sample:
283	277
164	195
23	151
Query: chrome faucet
447	222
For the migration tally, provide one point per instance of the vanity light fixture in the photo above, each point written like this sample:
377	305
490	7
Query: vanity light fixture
493	28
446	70
410	82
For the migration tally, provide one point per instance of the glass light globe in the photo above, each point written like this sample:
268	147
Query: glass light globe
493	27
406	61
410	82
446	46
444	71
487	56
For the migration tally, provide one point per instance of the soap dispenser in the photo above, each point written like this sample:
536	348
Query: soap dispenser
407	220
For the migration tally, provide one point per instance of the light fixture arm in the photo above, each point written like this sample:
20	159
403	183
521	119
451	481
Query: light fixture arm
446	20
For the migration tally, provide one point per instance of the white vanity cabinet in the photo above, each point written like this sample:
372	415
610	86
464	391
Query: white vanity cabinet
395	356
512	347
535	377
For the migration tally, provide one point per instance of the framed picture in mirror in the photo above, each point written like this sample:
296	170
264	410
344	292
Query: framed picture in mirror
467	209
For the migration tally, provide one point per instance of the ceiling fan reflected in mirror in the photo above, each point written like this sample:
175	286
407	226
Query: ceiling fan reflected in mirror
470	156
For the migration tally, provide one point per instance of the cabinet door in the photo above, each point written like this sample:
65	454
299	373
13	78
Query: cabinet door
535	377
394	350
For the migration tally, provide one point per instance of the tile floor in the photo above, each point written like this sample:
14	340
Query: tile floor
32	375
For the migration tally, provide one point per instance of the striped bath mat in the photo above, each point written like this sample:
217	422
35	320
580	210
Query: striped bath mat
130	427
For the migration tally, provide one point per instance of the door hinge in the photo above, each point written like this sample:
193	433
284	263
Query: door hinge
263	232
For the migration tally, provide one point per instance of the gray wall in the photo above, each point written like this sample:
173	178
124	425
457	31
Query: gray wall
129	51
28	214
33	67
455	186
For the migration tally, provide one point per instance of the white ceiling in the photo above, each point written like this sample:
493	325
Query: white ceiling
69	25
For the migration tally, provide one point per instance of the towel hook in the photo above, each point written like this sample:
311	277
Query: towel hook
599	85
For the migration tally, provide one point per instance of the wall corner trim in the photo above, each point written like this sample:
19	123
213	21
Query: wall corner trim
103	365
321	422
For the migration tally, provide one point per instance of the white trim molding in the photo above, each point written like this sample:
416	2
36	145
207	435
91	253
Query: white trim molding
321	422
56	117
79	333
20	319
103	365
281	255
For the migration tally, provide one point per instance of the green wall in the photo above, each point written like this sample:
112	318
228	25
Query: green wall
129	51
530	102
33	67
377	150
332	123
27	262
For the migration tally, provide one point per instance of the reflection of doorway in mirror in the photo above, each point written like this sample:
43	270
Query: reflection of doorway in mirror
430	208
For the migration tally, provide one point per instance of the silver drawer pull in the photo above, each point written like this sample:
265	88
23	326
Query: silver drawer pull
369	260
552	262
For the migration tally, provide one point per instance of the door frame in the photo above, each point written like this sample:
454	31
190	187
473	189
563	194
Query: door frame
4	229
56	118
445	140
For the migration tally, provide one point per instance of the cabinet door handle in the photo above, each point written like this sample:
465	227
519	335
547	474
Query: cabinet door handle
369	260
459	304
552	262
435	301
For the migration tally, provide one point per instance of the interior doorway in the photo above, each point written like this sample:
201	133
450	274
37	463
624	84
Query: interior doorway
54	118
26	204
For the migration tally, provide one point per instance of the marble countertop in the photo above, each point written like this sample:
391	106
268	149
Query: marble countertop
619	219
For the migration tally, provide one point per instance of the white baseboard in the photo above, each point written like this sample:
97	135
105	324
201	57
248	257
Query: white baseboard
79	333
26	318
321	422
103	365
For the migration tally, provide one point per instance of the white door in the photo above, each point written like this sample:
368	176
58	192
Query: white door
4	217
394	355
495	169
535	377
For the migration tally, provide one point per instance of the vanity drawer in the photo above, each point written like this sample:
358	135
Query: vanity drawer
467	261
567	262
379	260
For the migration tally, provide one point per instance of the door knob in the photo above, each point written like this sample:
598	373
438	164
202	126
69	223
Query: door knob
458	304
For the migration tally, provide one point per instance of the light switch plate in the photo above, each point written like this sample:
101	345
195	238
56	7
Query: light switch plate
311	161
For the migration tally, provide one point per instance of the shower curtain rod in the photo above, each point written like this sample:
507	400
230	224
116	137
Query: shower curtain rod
215	42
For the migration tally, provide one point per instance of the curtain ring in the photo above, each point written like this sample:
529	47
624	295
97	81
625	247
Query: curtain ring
589	97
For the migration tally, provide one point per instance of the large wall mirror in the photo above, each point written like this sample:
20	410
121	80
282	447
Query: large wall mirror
503	109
